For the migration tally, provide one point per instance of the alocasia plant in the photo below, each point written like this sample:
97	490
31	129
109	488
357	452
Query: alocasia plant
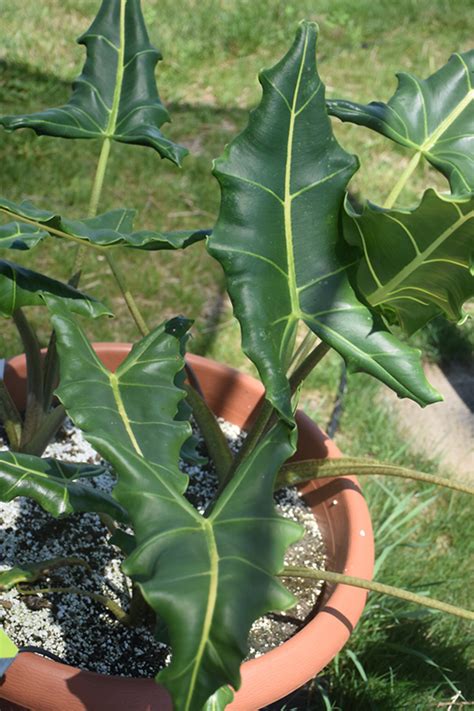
295	251
433	117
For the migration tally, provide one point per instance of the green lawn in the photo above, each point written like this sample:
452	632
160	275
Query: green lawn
399	658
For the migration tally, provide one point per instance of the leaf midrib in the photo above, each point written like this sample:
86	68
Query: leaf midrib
426	146
112	122
287	202
211	606
114	384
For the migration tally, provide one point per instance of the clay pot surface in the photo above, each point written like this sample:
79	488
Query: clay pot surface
39	684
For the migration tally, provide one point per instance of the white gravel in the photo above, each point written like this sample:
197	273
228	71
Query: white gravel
82	632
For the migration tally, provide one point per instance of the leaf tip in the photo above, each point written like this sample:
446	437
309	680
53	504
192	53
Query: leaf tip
178	326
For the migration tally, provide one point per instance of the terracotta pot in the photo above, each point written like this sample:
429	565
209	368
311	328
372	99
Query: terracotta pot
36	683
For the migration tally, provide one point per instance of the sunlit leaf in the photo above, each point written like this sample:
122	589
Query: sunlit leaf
417	263
54	486
22	287
111	229
208	577
126	405
433	116
280	242
115	97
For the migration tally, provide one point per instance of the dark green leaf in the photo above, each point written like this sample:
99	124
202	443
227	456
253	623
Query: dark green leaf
31	572
207	578
114	229
279	239
18	235
125	406
116	96
111	229
417	263
22	287
433	116
53	485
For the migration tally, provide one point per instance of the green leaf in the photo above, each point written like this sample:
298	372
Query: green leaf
54	486
18	235
433	116
115	97
207	578
31	572
114	229
127	405
111	229
280	242
219	700
416	263
22	287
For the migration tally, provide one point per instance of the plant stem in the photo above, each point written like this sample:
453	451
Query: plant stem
93	207
193	379
50	372
309	363
294	473
303	350
138	607
330	577
34	402
213	436
99	178
127	295
401	182
45	432
258	428
10	417
113	607
114	267
266	412
109	523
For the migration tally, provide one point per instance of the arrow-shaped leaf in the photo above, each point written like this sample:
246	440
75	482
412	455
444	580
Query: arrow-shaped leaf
22	287
54	486
127	405
433	116
115	97
208	577
111	229
280	242
417	263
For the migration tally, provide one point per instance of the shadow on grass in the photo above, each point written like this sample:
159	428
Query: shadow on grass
24	88
401	664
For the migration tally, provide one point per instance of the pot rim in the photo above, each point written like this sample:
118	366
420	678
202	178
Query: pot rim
279	671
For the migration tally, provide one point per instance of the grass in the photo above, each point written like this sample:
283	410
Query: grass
399	658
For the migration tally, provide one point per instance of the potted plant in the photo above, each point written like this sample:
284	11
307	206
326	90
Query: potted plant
296	252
